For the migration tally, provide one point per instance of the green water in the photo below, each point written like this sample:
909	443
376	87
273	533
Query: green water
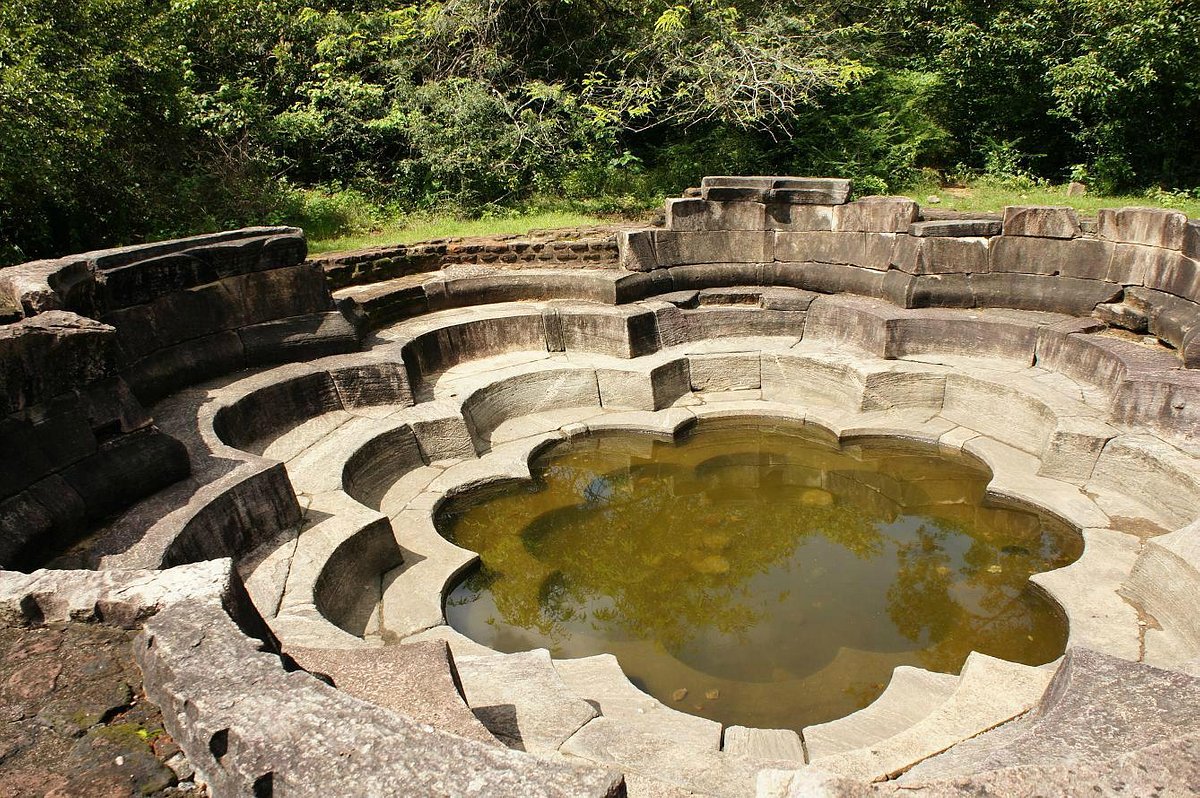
774	576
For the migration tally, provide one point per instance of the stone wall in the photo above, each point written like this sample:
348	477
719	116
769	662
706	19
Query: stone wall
590	247
1134	268
89	340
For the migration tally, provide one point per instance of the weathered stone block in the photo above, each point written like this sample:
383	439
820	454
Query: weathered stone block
42	285
876	215
417	680
376	305
794	379
785	299
695	215
126	469
529	392
1096	712
1155	227
826	278
709	275
685	213
278	293
234	518
1189	350
1174	273
48	354
170	369
1123	315
1077	297
62	432
394	754
283	250
371	384
795	190
1081	257
441	348
627	334
733	321
1134	264
298	338
676	249
283	403
730	295
727	188
10	309
941	255
42	519
867	250
112	409
725	371
636	248
231	258
1041	221
855	321
174	318
1167	316
651	390
810	190
928	291
956	227
140	282
24	462
799	218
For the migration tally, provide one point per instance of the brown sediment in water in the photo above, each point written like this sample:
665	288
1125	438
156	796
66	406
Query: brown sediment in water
764	565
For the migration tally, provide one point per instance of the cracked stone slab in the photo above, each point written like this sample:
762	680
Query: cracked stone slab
522	700
989	692
608	742
600	680
777	744
417	680
911	695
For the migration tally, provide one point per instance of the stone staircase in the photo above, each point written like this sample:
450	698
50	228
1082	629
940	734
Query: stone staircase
522	700
988	693
910	697
1100	716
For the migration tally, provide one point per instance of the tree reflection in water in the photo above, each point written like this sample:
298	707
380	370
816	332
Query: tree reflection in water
762	564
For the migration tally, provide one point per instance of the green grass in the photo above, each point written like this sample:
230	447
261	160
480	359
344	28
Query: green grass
412	229
983	196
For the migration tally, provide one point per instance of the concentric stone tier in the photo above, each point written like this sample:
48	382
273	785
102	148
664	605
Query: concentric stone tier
278	522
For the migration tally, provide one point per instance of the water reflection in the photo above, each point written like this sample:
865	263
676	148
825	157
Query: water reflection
764	566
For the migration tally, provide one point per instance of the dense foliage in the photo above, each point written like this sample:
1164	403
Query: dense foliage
128	118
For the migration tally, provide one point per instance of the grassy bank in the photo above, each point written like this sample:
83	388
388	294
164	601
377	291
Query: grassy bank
983	196
980	196
412	229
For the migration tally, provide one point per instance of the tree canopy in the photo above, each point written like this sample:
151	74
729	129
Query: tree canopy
123	119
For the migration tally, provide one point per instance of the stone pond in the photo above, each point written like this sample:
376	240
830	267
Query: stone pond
788	495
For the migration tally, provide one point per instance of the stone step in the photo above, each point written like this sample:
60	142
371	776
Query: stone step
1165	584
412	594
778	744
334	572
418	680
1098	709
522	700
910	696
388	300
600	681
989	692
608	741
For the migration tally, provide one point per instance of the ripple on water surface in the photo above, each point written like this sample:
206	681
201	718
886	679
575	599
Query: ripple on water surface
770	573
